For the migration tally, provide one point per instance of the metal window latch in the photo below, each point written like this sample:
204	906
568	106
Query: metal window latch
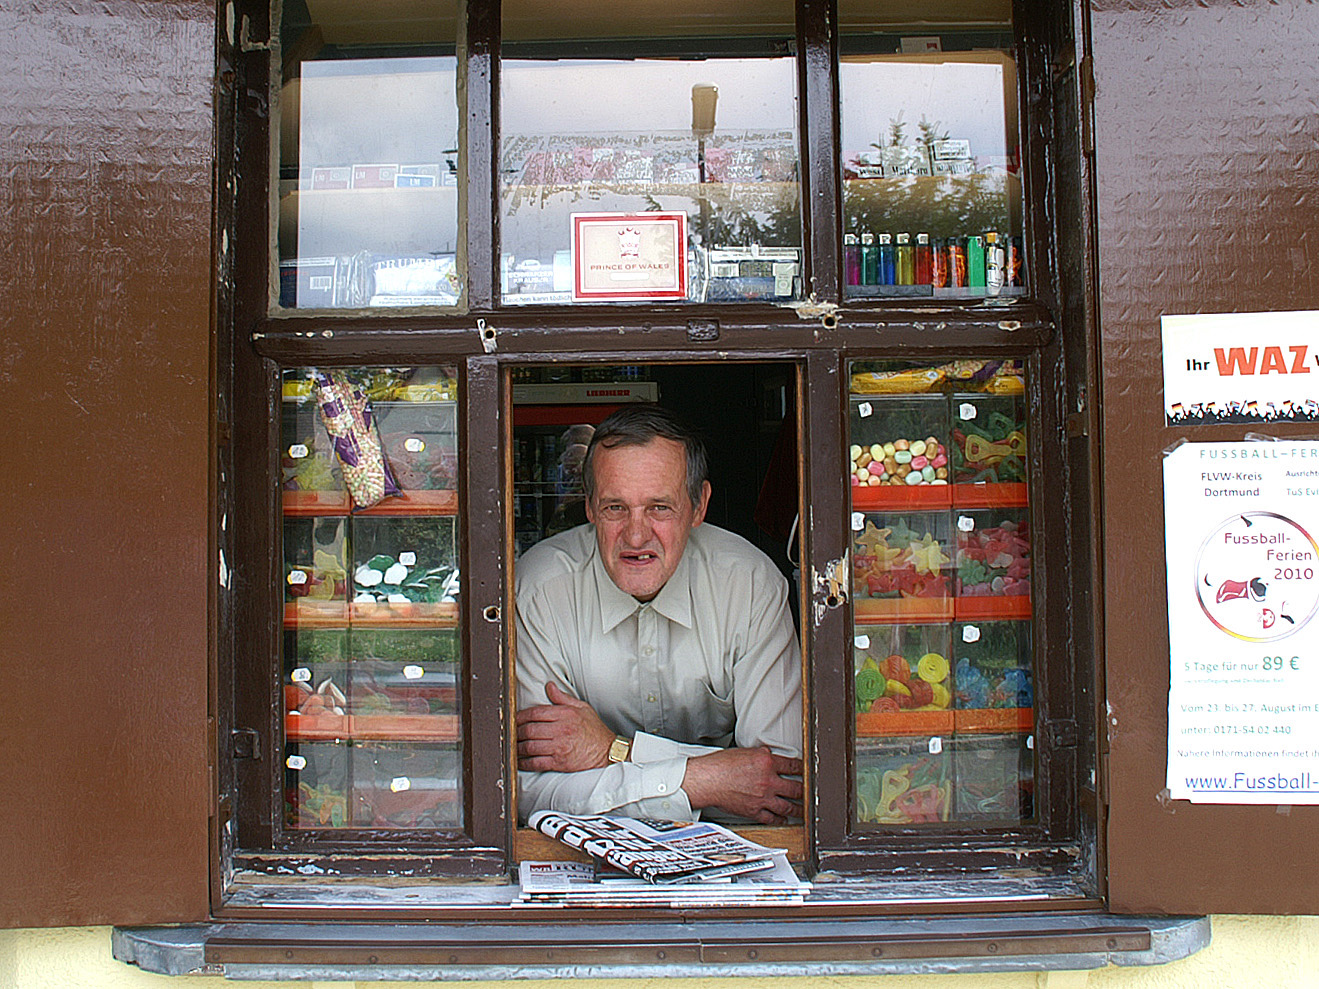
245	743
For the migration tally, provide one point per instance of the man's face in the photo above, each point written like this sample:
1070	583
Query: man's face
642	514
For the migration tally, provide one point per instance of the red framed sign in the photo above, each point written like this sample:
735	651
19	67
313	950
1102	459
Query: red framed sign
629	257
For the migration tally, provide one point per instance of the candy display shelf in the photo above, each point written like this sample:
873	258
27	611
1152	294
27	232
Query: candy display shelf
371	727
305	613
300	504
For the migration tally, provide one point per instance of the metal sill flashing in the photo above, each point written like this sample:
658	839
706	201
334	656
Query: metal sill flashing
651	949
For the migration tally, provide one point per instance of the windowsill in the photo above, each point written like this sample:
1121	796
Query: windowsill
649	949
467	931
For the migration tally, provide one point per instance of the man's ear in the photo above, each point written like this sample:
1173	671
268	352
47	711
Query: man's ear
699	515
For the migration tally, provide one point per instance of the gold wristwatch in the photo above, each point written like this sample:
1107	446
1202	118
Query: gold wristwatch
620	749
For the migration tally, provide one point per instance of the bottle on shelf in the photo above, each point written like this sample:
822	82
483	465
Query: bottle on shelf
924	260
905	264
851	259
869	260
887	261
975	261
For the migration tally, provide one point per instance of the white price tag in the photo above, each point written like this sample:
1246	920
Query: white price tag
301	675
970	633
1030	741
400	783
297	451
414	444
295	762
936	745
297	577
966	410
858	521
965	523
413	672
408	559
865	410
862	642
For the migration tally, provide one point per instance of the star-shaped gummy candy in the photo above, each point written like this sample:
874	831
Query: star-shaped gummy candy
927	556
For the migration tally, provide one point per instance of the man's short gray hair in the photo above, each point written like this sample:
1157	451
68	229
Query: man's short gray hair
638	424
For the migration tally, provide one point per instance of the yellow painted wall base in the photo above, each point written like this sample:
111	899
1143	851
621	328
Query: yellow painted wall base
1247	952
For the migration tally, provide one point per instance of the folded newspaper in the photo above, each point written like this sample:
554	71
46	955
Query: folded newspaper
580	884
660	852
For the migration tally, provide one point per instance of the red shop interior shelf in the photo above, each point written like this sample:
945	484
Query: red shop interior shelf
306	613
371	727
992	607
313	503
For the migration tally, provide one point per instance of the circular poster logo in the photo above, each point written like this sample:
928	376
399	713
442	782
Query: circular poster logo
1255	576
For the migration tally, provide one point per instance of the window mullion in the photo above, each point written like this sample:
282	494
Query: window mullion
822	210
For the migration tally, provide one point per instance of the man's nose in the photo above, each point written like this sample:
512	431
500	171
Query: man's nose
637	530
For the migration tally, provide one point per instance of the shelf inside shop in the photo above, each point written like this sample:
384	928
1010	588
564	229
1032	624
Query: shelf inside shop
881	724
306	613
893	497
409	503
980	721
892	611
371	727
985	494
888	611
989	608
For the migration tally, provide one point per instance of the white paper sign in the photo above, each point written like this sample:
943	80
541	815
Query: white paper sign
1241	368
1243	590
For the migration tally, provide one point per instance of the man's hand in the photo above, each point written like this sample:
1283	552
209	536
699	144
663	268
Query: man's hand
563	736
751	783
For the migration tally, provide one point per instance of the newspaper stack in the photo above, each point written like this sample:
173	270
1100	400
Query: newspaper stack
656	863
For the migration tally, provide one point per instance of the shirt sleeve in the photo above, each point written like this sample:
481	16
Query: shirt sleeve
767	674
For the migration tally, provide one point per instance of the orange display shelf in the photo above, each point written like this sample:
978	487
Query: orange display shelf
992	608
981	721
371	727
317	503
986	495
305	613
892	498
882	724
891	611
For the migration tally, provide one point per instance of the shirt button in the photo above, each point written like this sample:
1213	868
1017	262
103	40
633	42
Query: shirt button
648	650
651	698
663	788
665	805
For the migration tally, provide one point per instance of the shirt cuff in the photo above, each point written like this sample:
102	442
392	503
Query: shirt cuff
655	748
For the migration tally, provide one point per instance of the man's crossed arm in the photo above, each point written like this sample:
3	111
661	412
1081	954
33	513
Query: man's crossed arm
567	736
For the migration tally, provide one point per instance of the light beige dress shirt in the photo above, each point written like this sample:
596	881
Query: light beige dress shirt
712	661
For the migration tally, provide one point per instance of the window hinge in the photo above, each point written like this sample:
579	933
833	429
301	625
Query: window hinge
245	743
1062	734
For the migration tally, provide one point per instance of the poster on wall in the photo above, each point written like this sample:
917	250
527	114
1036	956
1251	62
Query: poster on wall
1241	522
1248	368
629	257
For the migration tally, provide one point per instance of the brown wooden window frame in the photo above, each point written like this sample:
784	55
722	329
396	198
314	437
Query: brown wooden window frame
1051	332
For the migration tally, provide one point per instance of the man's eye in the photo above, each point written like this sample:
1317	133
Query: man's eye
660	509
614	511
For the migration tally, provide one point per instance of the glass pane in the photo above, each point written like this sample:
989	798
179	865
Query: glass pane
647	158
368	154
931	163
372	660
943	665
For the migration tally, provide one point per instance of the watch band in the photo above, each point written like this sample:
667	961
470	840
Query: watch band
620	749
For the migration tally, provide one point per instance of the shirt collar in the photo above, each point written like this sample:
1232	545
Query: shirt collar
674	601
